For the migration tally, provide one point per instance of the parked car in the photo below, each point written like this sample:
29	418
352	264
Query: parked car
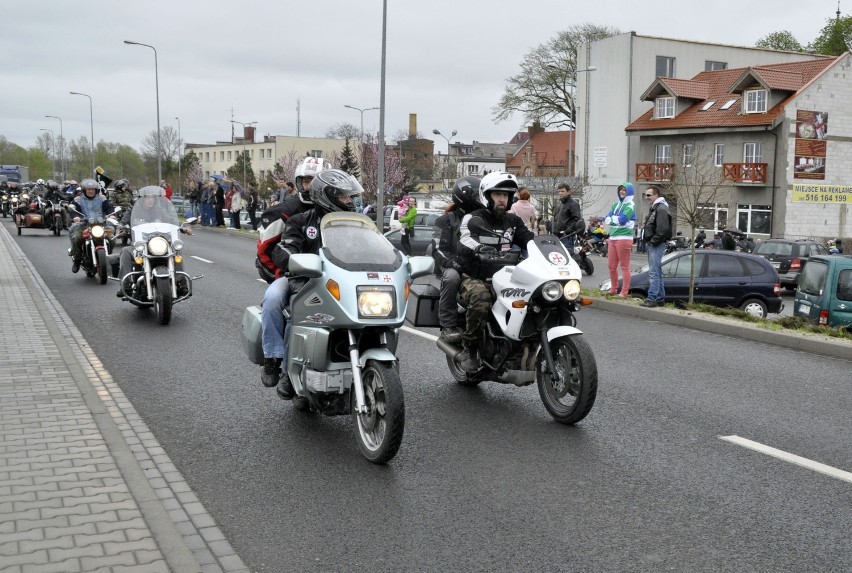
420	242
824	294
722	278
789	257
424	217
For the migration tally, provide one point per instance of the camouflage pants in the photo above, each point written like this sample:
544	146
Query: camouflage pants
477	298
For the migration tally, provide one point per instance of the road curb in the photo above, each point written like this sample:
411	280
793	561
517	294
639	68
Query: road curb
707	323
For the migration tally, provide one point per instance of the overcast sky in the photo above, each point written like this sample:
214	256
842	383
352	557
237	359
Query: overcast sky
447	60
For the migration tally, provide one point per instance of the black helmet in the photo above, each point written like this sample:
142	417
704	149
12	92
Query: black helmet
329	186
466	193
51	184
121	184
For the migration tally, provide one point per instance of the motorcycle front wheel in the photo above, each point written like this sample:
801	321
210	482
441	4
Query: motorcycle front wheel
163	300
379	431
570	394
102	267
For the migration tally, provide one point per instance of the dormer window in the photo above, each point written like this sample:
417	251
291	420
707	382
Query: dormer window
755	101
665	107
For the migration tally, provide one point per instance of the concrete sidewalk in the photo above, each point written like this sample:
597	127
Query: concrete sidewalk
84	484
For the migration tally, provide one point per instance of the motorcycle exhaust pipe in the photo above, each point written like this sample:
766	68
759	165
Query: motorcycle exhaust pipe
448	348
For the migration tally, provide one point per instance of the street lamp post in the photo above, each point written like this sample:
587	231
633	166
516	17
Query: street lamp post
53	143
92	125
244	146
157	87
362	116
180	180
453	134
61	145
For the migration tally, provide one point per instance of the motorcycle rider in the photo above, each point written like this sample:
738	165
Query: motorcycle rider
122	196
54	196
90	204
152	208
465	195
482	232
700	238
330	190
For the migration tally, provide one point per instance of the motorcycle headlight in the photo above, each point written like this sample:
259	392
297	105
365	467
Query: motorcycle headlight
551	291
24	197
177	245
572	290
139	246
375	301
5	197
97	231
158	246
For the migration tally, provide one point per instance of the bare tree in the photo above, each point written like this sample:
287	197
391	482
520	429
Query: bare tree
697	187
543	90
168	141
344	130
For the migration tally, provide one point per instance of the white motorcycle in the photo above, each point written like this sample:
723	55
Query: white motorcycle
156	278
343	326
531	334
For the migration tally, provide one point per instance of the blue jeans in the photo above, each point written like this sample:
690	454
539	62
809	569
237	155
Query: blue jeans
272	322
569	243
656	289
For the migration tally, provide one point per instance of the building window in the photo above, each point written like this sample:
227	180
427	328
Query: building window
207	155
229	156
755	101
710	66
268	153
687	155
714	216
754	219
261	173
318	153
472	169
665	67
662	154
719	154
206	174
752	153
665	107
221	156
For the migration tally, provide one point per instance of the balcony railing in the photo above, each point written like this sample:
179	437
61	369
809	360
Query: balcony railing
744	172
655	171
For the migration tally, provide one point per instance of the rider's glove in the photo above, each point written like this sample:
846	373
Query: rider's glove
608	221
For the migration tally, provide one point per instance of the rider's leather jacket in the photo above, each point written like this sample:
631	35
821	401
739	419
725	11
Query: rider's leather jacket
482	228
449	227
301	235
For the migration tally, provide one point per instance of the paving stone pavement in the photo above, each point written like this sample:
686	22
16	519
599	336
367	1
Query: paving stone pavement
84	484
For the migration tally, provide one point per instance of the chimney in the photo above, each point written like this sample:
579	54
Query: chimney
412	125
248	133
535	128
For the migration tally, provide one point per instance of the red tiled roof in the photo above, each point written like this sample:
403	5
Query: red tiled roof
720	83
690	89
551	149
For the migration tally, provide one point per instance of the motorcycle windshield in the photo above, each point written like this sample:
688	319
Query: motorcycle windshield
354	244
153	210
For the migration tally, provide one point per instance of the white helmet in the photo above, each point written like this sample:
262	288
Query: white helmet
497	181
40	182
309	167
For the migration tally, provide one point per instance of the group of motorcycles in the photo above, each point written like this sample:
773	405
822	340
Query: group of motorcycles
155	279
344	321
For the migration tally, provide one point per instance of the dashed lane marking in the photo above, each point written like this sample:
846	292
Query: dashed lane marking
788	457
200	259
416	332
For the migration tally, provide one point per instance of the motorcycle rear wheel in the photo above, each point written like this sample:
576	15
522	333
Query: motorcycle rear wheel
570	398
587	266
379	431
163	300
102	267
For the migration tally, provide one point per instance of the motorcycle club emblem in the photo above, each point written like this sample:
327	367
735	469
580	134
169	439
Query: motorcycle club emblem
557	258
311	232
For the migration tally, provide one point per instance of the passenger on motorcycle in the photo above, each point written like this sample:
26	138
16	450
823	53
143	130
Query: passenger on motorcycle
465	196
89	205
151	208
482	231
122	196
330	190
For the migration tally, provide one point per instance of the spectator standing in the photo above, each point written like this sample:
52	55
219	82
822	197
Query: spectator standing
204	200
700	238
728	241
621	220
407	222
525	210
568	215
168	189
252	201
235	203
658	230
291	188
219	204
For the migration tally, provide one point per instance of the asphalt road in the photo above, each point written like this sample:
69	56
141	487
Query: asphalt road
485	480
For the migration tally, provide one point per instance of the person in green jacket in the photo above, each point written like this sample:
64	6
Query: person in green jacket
407	222
621	220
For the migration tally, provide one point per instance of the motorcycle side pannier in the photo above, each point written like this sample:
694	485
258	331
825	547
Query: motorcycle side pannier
423	306
252	334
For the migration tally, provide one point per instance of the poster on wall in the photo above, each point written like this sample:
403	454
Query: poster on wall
810	148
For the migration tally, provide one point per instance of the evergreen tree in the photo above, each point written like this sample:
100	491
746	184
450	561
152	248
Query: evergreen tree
348	161
235	171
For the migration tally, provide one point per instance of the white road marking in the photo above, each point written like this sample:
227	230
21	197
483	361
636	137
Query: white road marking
416	332
200	259
261	280
791	458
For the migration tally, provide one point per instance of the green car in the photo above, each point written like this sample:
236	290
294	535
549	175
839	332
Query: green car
824	293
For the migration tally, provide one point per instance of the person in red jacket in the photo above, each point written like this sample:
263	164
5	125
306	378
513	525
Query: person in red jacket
168	189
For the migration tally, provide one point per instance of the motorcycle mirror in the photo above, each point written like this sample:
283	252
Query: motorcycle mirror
118	209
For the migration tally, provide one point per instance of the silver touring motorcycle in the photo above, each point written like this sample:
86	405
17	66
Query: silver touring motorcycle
343	325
